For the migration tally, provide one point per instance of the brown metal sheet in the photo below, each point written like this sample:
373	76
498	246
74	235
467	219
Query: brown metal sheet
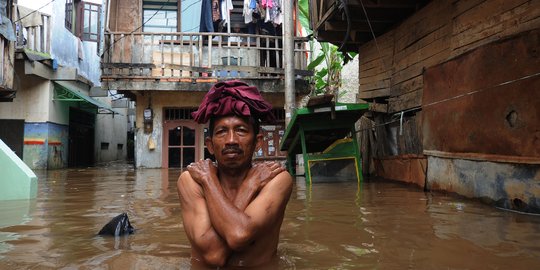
486	101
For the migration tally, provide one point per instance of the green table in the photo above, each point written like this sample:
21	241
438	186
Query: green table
323	133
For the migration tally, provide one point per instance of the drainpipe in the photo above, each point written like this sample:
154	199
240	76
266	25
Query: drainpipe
288	57
107	15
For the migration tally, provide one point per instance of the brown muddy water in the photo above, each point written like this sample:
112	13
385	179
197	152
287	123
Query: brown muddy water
377	225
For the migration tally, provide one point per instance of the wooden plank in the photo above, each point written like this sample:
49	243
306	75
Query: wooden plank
461	7
127	65
417	68
407	86
385	92
423	22
373	85
430	45
378	107
486	14
406	101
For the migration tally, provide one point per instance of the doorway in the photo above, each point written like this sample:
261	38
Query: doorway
181	141
81	138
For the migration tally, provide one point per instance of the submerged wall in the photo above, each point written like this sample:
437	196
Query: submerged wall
45	145
481	122
467	73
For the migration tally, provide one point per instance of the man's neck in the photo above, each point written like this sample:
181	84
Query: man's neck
232	179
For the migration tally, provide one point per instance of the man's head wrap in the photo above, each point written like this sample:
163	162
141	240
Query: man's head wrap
233	98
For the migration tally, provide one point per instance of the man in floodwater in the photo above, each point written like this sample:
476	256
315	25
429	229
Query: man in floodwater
232	210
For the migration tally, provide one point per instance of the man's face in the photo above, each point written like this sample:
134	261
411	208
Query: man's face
233	141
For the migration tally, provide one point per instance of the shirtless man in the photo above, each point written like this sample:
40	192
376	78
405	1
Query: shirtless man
232	211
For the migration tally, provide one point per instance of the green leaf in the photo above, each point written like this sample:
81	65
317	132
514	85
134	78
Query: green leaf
321	73
316	62
303	15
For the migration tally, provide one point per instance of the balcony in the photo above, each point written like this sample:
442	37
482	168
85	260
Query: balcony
194	61
35	41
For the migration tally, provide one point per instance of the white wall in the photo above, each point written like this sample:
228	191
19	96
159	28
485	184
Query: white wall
64	45
111	130
31	102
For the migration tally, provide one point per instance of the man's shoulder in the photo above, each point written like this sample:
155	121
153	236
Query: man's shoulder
186	181
282	182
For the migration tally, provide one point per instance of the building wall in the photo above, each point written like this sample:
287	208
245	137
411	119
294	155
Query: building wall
111	130
159	100
31	102
145	157
440	31
45	145
125	15
447	68
65	46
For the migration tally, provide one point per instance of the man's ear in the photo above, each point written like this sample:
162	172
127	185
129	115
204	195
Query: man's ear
209	145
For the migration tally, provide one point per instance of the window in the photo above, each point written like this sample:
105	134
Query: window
91	21
69	15
160	16
104	146
83	19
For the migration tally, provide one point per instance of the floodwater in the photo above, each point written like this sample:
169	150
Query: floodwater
377	225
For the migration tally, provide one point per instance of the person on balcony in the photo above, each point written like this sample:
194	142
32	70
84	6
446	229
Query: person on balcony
232	210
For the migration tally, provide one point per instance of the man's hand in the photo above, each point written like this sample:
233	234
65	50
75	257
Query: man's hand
262	173
202	170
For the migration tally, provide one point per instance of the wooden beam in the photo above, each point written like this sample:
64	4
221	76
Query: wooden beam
327	15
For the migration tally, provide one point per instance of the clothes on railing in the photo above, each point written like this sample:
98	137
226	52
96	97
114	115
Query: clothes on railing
265	10
215	14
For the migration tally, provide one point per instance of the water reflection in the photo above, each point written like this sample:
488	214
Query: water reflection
378	224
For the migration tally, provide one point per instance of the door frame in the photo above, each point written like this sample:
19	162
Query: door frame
170	124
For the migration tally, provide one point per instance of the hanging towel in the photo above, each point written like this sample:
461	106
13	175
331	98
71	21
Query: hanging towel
226	7
247	12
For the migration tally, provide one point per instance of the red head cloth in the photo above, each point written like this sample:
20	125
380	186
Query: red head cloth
233	98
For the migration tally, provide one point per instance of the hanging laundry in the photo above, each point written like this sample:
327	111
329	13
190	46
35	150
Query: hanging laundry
247	11
276	12
206	17
216	12
226	7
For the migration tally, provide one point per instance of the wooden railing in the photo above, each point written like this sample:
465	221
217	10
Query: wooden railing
36	38
195	55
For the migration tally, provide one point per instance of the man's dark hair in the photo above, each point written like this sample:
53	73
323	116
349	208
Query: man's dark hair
254	122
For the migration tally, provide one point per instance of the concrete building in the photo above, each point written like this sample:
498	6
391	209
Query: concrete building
453	92
157	53
53	120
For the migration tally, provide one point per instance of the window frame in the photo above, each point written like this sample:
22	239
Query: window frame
78	12
153	7
86	13
68	20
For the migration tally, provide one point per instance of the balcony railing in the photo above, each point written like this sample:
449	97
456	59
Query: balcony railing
188	56
36	38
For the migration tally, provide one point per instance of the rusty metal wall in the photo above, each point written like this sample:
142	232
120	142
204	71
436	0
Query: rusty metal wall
486	102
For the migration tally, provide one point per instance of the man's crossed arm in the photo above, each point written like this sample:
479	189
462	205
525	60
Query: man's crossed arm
216	225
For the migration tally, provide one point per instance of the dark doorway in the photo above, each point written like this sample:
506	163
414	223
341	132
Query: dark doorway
12	133
181	146
81	138
130	146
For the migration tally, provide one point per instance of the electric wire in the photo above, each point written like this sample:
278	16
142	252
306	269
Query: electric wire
133	31
34	11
